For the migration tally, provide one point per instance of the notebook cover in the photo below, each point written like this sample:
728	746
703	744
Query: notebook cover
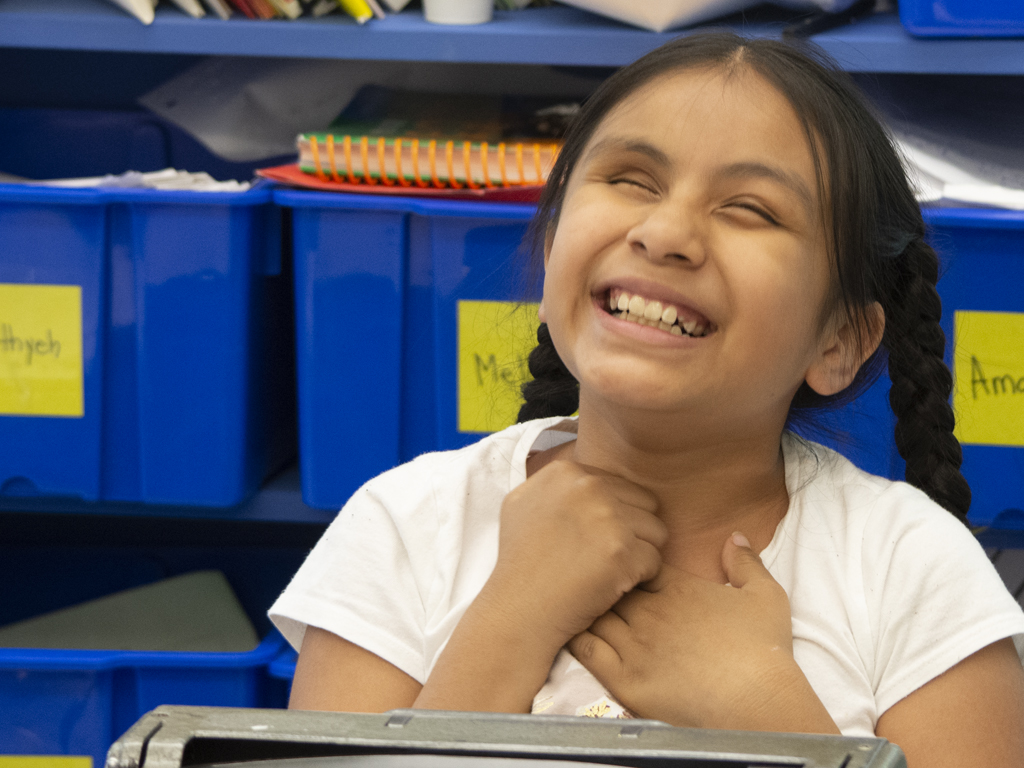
294	176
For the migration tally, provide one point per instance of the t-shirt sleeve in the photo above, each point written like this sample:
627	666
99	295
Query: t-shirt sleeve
360	582
932	594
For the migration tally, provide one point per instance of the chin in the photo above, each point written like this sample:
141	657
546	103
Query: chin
632	393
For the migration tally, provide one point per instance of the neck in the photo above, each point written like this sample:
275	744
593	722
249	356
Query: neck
709	481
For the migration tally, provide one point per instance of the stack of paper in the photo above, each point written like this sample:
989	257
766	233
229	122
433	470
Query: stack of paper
168	178
960	136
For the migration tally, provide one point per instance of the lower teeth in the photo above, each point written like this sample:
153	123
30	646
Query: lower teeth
675	330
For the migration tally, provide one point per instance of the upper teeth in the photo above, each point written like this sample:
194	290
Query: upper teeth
653	313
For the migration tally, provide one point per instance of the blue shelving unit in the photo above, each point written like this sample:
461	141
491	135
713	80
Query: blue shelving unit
554	36
557	35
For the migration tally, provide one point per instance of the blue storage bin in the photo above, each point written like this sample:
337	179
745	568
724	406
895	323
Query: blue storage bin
184	386
77	702
963	18
378	285
378	281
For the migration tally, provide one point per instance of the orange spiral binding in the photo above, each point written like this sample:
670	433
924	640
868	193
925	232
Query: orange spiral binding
315	151
432	160
467	149
449	151
536	162
397	146
364	152
347	148
416	175
381	147
484	151
330	157
501	164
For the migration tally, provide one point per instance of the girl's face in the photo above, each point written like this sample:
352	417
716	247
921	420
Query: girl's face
698	195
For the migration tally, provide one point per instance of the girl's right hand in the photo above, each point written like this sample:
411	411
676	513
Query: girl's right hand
574	539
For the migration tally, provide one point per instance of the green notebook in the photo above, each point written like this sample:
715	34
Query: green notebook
192	612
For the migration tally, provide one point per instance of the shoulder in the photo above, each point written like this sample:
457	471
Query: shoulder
484	470
826	485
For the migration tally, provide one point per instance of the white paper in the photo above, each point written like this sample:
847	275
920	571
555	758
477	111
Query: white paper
168	178
250	109
219	7
140	9
191	7
659	15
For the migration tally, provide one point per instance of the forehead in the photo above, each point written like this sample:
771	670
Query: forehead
711	116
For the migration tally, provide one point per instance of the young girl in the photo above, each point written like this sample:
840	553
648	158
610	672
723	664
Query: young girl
728	240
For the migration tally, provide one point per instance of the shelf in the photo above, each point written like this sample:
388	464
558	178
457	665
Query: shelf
557	35
280	500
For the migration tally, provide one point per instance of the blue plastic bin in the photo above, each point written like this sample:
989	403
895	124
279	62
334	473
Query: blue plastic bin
982	252
379	280
77	702
185	376
963	18
377	284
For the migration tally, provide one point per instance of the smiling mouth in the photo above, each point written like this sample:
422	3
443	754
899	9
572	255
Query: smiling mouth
669	318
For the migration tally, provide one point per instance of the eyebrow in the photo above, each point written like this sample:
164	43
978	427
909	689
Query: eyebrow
761	171
615	144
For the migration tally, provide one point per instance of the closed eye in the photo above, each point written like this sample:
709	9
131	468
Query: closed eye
759	211
630	182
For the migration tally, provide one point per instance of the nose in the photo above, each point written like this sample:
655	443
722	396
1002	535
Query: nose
669	231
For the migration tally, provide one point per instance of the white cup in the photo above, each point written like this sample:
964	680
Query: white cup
458	11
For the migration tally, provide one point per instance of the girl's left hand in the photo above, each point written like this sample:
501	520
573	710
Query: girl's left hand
695	653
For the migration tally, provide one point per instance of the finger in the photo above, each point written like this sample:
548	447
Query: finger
624	490
740	563
666	575
648	527
600	658
646	559
612	628
631	494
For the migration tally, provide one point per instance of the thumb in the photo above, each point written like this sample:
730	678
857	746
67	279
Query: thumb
740	563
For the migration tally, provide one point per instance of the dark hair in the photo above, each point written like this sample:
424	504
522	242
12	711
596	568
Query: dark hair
876	245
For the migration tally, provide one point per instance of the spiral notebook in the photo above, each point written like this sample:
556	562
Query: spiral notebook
406	142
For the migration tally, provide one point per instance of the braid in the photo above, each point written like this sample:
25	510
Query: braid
921	381
553	391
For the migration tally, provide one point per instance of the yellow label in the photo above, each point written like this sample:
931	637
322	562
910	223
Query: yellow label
41	350
495	339
988	369
44	761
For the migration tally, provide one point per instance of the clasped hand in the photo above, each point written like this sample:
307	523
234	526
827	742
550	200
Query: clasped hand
580	563
692	652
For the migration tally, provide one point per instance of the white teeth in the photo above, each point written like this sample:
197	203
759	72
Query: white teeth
636	309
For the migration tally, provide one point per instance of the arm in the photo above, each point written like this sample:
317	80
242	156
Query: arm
335	675
973	714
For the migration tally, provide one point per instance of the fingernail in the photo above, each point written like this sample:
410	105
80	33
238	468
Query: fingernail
740	540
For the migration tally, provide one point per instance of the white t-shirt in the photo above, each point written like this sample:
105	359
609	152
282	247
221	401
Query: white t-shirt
887	589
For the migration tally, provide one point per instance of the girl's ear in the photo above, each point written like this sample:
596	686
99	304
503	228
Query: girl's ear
844	351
